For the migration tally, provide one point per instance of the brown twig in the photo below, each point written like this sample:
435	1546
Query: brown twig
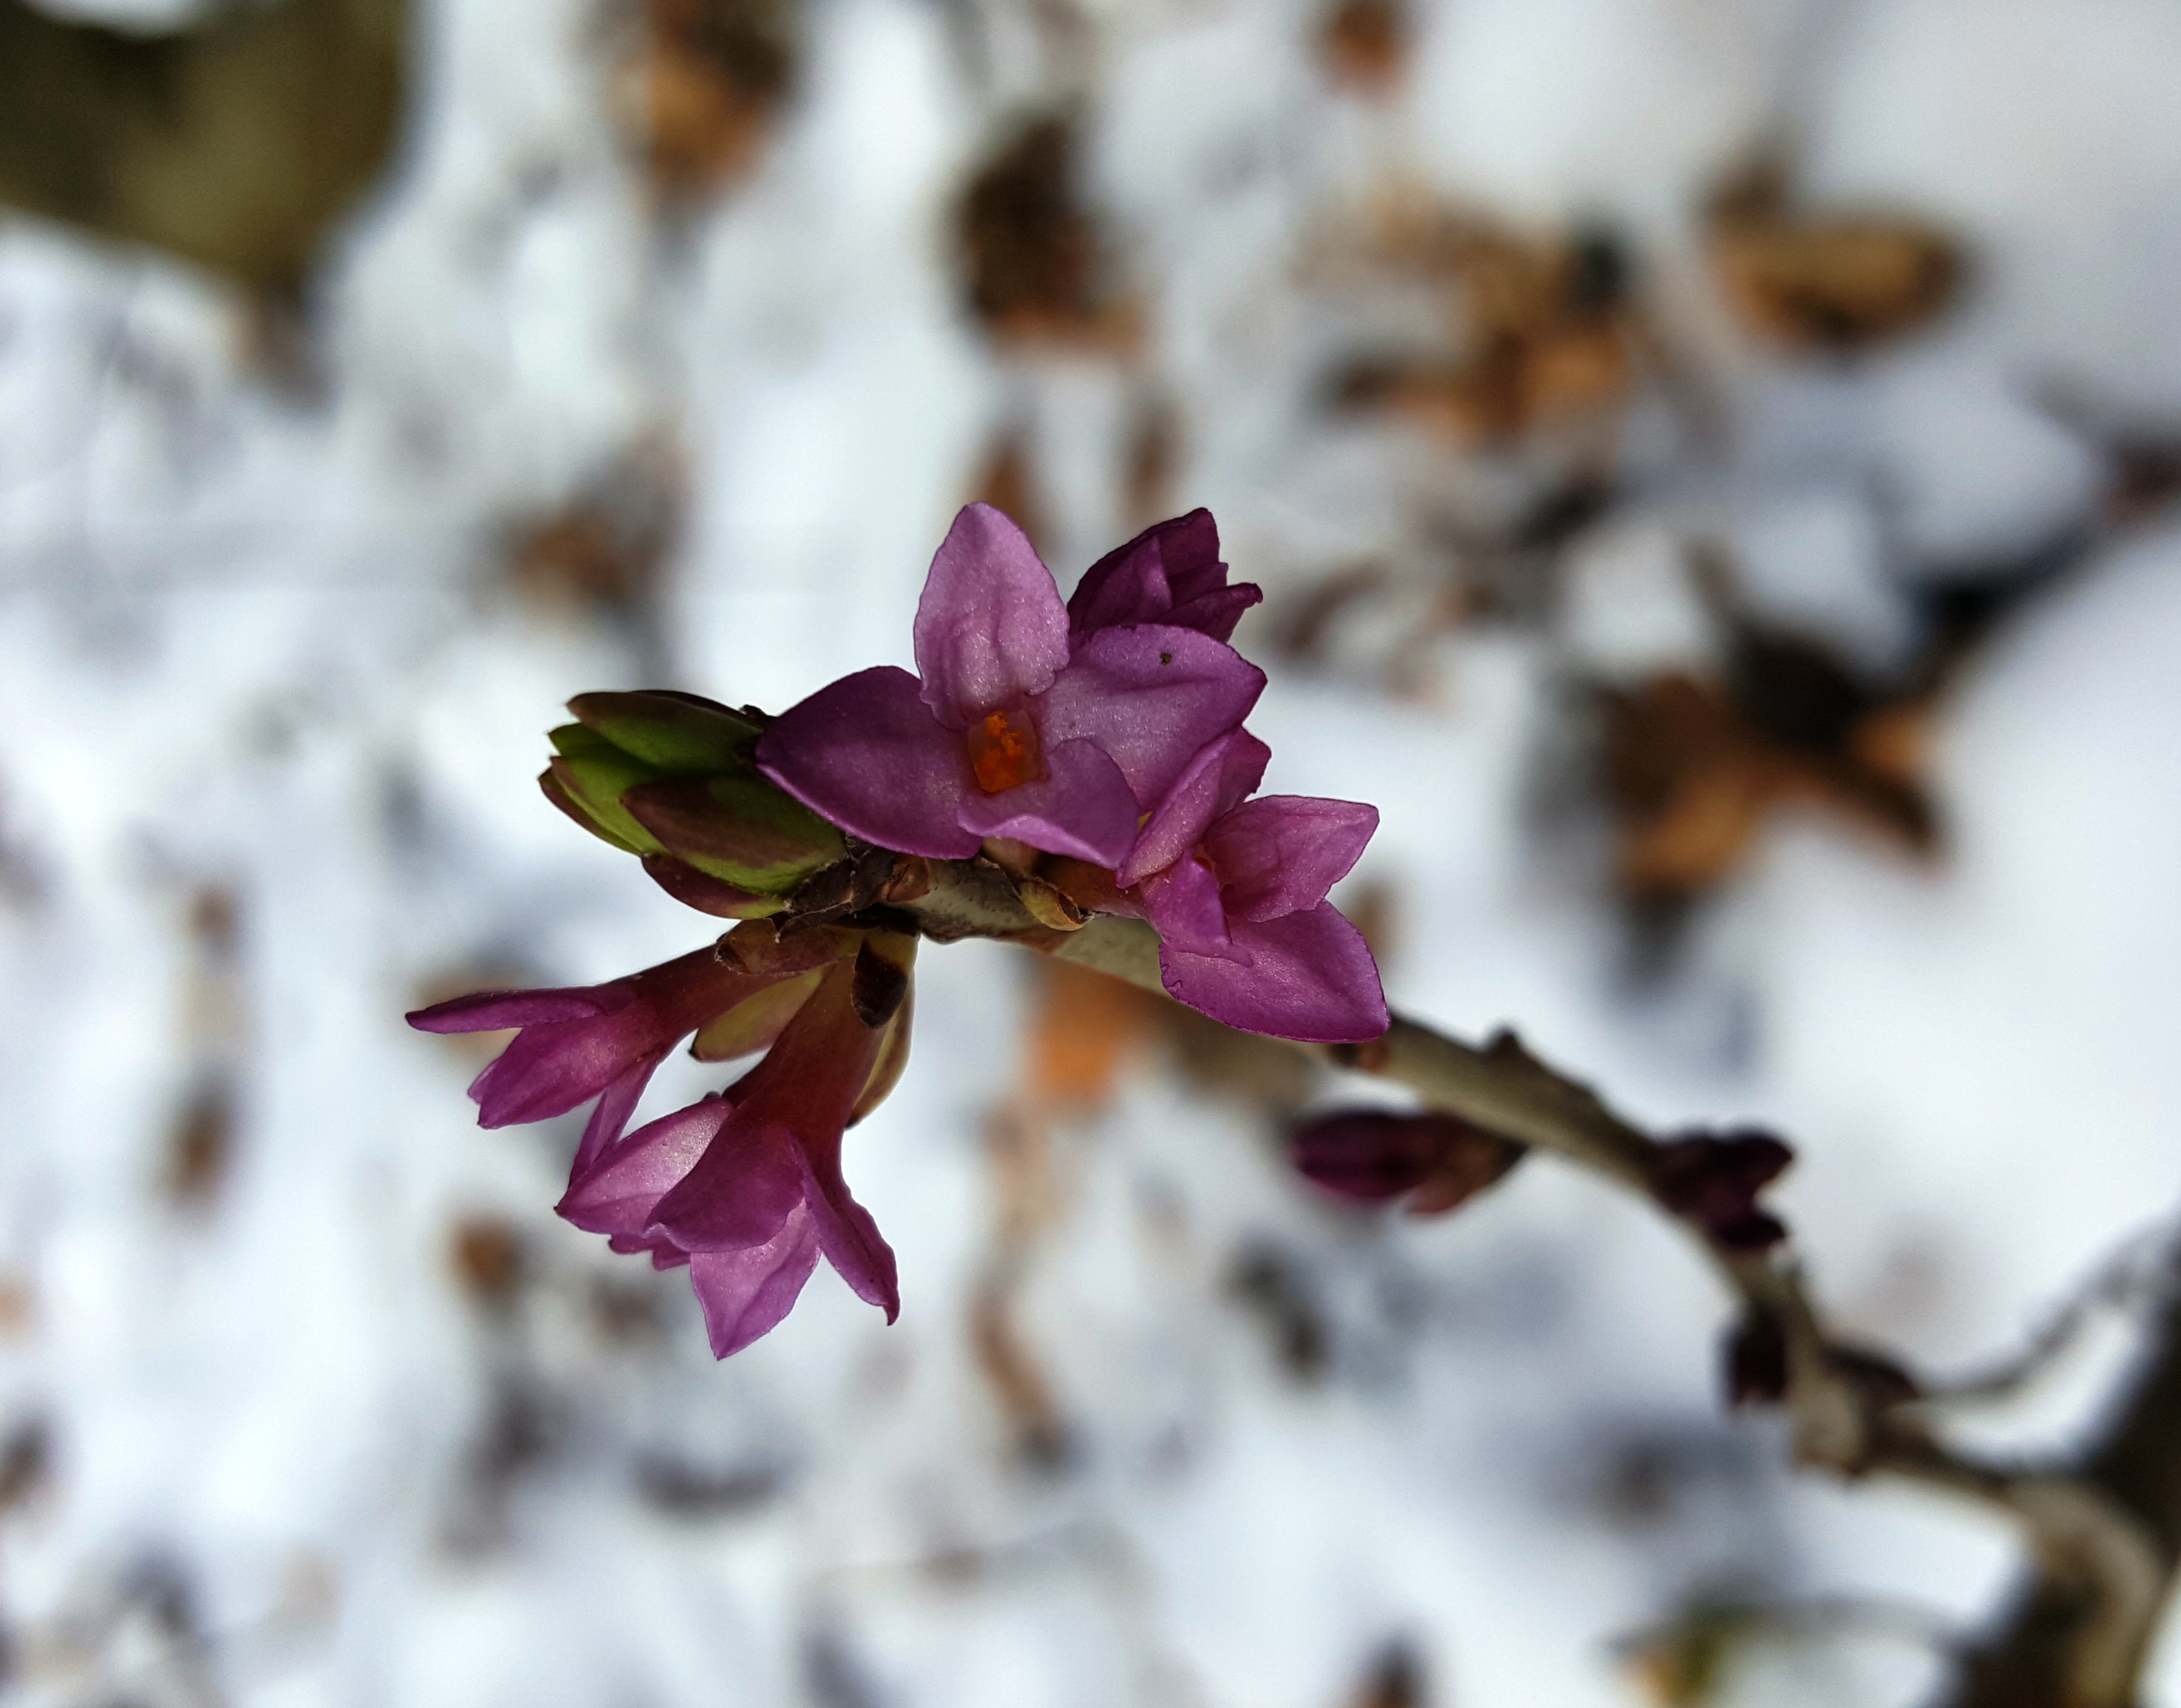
2103	1529
2104	1550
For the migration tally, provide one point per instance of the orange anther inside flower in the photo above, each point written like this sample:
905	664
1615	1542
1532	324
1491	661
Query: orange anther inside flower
1003	752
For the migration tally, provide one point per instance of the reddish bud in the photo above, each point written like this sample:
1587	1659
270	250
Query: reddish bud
1374	1156
1713	1182
1756	1361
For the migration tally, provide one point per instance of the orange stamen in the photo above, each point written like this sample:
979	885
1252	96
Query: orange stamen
1003	752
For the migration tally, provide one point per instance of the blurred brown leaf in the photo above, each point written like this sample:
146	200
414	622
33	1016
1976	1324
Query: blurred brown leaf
708	86
200	1145
1026	1202
1691	769
19	1307
1364	45
1539	325
1820	281
1085	1026
1154	447
1268	1281
1393	1679
1034	264
484	1254
1685	1664
26	1461
605	545
236	145
1007	484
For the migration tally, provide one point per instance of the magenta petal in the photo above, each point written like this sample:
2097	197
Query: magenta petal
1184	907
1280	853
738	1194
791	1106
615	1194
1153	697
1083	806
1218	778
852	1243
866	752
548	1070
990	630
1170	573
616	1103
745	1293
496	1010
1310	976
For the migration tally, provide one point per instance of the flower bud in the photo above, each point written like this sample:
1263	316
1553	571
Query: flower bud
737	828
1374	1156
676	734
670	776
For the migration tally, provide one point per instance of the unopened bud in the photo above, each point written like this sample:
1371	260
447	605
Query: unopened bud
674	735
740	829
1377	1155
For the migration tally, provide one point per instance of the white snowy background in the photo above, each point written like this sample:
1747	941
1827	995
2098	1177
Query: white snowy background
271	709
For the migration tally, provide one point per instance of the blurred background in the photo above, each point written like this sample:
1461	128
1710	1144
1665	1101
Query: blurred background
1712	466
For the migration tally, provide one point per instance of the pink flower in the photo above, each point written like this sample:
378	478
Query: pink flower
1011	729
1236	888
1170	573
598	1040
746	1187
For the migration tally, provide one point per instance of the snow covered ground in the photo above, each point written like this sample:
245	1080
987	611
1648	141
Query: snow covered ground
305	1396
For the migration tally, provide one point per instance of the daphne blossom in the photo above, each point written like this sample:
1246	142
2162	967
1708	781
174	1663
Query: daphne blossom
1103	736
1012	727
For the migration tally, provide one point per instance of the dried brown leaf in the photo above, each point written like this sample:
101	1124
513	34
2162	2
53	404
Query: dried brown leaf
237	144
1365	45
710	82
1833	283
1036	266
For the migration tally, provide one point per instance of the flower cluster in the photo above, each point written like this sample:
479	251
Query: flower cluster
1090	754
1107	731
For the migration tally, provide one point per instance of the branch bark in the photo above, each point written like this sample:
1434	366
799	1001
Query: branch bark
2104	1533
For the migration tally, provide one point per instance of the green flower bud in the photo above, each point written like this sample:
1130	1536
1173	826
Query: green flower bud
738	829
673	734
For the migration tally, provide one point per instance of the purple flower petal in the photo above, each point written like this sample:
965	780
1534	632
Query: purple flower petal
790	1107
867	753
1280	853
1219	779
990	630
851	1239
1309	975
615	1194
1083	806
616	1103
745	1293
1153	697
1170	573
738	1192
496	1011
1184	907
552	1066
